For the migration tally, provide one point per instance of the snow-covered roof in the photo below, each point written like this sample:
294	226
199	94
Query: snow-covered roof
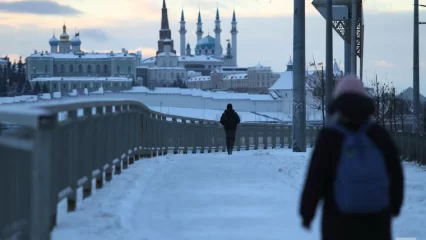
200	79
165	68
259	67
84	56
236	76
211	94
200	58
82	79
284	82
167	54
148	60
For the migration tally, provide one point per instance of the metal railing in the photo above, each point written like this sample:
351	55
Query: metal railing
55	149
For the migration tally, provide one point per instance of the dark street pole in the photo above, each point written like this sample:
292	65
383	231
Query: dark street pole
299	79
329	53
416	74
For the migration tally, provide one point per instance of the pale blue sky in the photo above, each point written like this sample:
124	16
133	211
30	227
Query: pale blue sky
265	30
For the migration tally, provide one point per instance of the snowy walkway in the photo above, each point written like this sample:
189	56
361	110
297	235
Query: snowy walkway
249	196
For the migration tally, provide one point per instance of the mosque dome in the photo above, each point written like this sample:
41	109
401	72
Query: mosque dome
53	41
206	43
75	41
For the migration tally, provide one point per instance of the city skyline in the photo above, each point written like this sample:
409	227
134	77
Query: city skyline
265	30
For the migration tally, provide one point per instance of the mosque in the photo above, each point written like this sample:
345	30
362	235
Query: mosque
207	55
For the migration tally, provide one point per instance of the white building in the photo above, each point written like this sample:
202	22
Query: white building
67	60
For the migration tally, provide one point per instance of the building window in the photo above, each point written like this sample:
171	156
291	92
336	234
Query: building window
46	68
98	68
62	68
105	68
64	85
89	68
80	68
118	69
170	63
71	68
129	69
172	75
55	68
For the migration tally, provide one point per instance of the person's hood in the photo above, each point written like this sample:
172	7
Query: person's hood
353	106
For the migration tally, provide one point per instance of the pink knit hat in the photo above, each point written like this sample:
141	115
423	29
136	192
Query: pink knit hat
349	84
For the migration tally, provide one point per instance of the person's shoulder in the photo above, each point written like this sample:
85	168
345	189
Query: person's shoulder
327	135
378	131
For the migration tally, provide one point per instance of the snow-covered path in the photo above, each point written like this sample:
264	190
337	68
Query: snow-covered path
251	195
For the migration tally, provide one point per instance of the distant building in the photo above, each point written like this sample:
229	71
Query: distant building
66	60
257	79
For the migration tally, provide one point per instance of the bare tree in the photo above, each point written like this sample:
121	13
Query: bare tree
403	110
382	96
317	85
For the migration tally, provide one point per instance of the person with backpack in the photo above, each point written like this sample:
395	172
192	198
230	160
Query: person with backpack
355	169
229	120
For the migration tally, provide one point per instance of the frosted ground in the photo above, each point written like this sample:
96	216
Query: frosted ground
250	195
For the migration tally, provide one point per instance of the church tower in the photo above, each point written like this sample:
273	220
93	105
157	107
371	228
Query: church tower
182	32
165	32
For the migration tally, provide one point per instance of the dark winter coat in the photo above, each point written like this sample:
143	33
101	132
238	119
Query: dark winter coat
230	119
322	172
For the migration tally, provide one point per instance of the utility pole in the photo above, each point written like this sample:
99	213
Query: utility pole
416	74
299	78
354	23
329	54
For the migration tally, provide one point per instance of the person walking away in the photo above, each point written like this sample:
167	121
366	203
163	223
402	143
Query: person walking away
230	120
355	169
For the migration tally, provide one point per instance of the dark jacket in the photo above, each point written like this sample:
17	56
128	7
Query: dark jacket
230	119
322	172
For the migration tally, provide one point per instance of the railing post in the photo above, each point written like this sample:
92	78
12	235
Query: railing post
72	198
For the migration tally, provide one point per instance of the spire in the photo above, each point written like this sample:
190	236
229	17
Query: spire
234	19
217	14
164	17
199	16
182	16
64	28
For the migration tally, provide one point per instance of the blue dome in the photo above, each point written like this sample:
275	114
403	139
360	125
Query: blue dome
75	41
54	41
207	42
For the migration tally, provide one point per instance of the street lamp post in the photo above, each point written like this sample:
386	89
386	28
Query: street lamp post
329	53
416	72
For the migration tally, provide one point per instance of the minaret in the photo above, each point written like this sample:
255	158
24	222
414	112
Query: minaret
182	32
199	27
217	31
234	32
188	50
165	32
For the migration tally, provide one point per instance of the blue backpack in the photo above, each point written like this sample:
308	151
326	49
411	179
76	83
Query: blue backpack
362	182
